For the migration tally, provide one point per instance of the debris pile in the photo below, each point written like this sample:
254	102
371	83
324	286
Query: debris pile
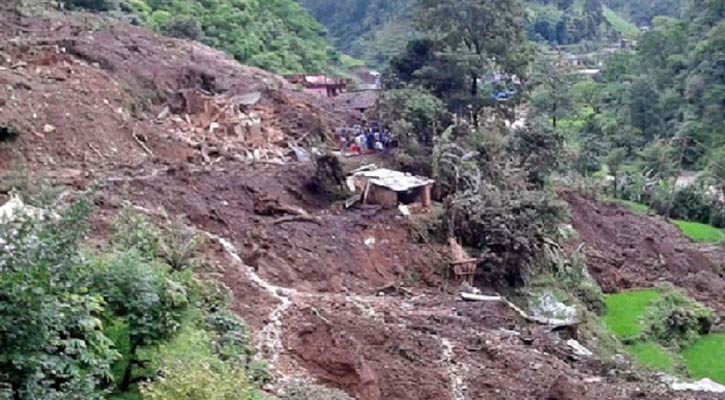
222	126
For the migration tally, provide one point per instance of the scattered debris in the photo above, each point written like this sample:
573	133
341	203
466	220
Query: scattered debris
369	242
553	322
546	305
578	348
703	385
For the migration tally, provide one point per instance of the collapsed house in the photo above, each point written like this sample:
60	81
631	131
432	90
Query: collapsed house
321	85
389	188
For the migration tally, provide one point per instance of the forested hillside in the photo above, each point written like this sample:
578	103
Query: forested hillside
373	30
276	35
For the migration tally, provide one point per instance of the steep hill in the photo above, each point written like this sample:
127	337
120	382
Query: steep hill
276	35
374	30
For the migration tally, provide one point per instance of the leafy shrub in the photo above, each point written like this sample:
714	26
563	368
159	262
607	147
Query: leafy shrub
179	245
677	320
419	116
206	380
183	27
133	231
507	227
92	5
51	336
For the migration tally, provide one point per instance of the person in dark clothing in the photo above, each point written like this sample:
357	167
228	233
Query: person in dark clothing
370	138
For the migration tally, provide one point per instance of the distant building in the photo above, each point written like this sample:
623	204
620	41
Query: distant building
361	101
321	85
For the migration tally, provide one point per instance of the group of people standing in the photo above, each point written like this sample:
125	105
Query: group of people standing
361	139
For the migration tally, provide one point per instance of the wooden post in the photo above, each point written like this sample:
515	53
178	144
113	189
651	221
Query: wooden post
426	200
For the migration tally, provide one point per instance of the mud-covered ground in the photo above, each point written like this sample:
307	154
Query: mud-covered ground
628	250
376	320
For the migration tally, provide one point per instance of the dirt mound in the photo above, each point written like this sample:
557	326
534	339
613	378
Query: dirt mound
331	251
88	94
627	250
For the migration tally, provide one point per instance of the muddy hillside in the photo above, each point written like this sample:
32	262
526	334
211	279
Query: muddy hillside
342	297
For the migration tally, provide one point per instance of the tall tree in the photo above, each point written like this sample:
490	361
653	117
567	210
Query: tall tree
482	36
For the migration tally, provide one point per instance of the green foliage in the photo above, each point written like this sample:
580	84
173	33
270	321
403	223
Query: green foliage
621	25
652	356
479	36
180	246
419	114
133	231
73	323
183	27
52	338
539	148
372	30
676	320
703	358
277	35
625	312
507	227
92	5
200	380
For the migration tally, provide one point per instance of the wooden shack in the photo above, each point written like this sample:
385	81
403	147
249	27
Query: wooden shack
389	188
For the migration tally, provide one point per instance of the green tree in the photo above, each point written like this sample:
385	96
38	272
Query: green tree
551	95
145	296
51	335
615	160
480	35
659	160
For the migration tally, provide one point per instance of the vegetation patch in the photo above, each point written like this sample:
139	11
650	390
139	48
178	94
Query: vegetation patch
704	358
625	312
638	208
667	331
652	356
621	25
701	233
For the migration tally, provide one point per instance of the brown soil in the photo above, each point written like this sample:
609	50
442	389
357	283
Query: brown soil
627	250
375	319
82	89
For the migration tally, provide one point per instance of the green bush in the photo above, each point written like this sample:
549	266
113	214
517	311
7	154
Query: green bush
206	379
507	228
183	27
92	5
676	320
51	334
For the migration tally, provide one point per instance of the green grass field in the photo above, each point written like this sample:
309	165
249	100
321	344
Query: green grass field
653	357
635	207
706	358
621	25
701	233
625	312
